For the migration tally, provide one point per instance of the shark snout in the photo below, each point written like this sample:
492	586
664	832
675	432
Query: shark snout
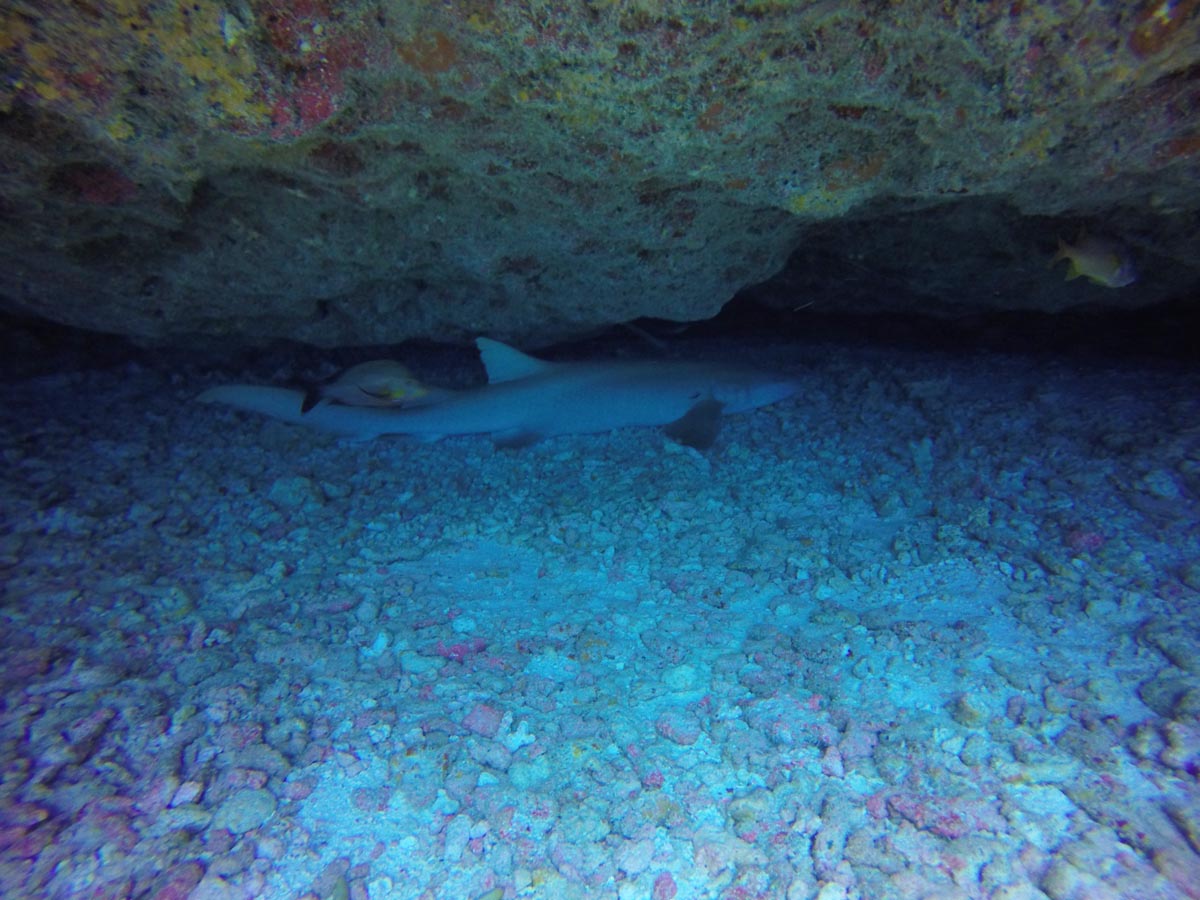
761	391
779	389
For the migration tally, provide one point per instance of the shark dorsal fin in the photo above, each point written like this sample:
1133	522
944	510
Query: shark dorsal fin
505	363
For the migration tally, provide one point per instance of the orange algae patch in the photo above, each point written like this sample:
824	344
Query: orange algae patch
201	42
837	194
56	60
1158	24
98	184
710	119
432	55
1178	148
13	31
295	27
847	173
844	111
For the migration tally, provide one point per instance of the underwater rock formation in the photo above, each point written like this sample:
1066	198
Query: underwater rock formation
363	173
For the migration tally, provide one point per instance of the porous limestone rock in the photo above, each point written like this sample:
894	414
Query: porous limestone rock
353	172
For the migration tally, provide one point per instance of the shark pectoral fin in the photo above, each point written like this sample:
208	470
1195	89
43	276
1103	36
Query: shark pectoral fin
515	438
697	427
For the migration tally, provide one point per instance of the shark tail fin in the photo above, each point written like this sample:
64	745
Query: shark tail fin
285	404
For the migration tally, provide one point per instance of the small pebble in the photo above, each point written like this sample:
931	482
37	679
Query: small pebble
245	811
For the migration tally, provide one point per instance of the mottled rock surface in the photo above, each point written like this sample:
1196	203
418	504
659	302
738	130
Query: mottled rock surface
361	173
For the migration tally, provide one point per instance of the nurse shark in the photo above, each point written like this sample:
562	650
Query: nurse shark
527	399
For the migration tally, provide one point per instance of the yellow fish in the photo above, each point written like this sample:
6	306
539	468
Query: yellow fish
380	382
1098	259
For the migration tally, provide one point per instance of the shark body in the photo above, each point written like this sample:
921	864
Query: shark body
527	399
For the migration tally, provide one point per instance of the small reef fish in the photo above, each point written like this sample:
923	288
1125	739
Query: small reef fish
1098	259
380	382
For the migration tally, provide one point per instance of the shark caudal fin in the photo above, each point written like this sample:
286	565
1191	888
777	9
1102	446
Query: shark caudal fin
362	422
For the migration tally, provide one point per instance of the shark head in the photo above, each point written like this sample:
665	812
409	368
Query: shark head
740	390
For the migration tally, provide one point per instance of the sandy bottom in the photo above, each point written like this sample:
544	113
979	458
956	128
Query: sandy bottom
928	630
